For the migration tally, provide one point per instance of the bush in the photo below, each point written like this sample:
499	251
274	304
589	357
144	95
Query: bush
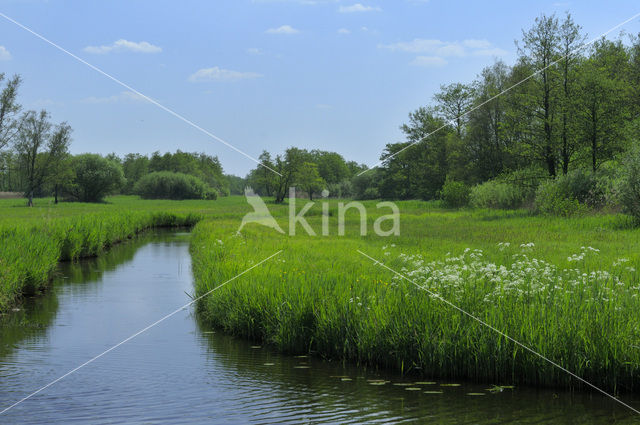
168	185
94	177
552	198
630	185
455	194
496	194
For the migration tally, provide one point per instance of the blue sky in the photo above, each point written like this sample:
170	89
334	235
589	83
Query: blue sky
262	74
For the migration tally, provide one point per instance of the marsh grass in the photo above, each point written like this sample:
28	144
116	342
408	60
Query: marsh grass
573	305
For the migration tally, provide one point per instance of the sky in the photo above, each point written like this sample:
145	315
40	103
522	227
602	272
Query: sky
335	75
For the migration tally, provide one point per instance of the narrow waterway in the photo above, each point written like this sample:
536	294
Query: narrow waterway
182	372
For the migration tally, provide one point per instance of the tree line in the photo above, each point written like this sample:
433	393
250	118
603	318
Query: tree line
563	111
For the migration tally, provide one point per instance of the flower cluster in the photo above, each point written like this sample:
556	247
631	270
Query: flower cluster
525	279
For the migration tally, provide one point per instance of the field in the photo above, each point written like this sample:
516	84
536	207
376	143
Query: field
567	288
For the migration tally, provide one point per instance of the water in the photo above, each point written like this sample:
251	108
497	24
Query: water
182	372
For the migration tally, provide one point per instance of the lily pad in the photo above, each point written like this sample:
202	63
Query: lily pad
449	385
425	383
433	392
475	394
413	389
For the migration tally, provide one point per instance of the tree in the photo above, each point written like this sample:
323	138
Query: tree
331	166
539	50
452	102
263	179
309	179
135	166
39	148
9	110
570	39
289	168
602	108
416	168
486	139
94	177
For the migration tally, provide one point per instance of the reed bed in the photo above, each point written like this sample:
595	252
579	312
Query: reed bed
575	304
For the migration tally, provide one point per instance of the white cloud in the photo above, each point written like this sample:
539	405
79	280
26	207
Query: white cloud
255	51
123	45
219	74
477	44
125	96
443	49
358	7
284	29
344	31
496	51
4	54
429	61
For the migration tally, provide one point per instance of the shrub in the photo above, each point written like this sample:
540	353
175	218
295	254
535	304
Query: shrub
553	199
630	185
455	194
496	194
169	185
94	177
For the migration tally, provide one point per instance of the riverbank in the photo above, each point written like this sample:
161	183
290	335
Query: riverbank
34	240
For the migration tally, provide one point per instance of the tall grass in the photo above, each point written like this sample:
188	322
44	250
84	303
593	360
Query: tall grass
32	245
320	296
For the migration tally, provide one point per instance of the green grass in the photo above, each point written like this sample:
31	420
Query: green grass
35	239
321	296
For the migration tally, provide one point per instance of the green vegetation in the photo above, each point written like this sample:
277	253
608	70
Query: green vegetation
168	185
93	177
566	287
35	239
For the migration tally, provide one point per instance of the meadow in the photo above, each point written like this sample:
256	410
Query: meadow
566	287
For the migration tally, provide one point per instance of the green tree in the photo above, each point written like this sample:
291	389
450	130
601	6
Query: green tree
309	179
453	101
539	100
94	177
9	109
570	40
39	147
135	166
602	106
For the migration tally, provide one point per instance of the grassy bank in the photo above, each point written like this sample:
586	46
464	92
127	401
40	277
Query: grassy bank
569	292
35	239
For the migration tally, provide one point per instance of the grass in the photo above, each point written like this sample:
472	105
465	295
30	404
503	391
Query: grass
35	239
576	306
321	296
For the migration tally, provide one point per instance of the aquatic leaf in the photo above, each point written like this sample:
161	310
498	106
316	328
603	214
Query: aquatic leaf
449	385
433	392
475	394
425	383
413	389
